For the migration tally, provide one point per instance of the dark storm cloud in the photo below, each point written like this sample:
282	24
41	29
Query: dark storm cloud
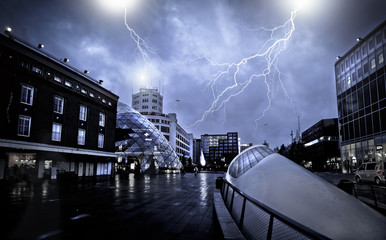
224	31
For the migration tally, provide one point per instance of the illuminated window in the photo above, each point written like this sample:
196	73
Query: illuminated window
83	113
84	91
24	126
36	70
58	104
372	63
101	139
58	79
68	83
92	95
27	93
81	136
380	58
102	119
56	132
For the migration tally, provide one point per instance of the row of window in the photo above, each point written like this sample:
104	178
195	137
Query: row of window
361	97
158	121
39	70
182	139
27	93
24	127
24	122
361	52
364	126
351	78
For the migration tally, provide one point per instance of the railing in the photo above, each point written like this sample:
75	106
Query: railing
374	195
258	221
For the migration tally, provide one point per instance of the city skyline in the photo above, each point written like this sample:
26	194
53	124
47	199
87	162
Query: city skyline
96	38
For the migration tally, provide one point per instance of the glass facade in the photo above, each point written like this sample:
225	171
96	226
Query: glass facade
142	143
247	159
361	91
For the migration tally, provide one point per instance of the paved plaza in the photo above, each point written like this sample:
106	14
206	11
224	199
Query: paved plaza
165	206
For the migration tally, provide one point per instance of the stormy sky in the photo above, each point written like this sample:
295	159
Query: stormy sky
193	52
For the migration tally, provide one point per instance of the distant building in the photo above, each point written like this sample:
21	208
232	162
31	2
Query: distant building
321	145
220	147
196	150
54	119
140	146
149	102
361	97
244	146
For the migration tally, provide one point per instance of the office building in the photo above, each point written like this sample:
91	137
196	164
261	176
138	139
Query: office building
361	97
149	102
220	149
54	119
321	146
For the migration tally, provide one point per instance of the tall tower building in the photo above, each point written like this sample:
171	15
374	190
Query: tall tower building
149	102
361	97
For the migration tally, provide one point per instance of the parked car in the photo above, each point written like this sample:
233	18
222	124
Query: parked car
371	172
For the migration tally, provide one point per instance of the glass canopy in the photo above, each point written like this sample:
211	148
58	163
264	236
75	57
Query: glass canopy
140	139
247	159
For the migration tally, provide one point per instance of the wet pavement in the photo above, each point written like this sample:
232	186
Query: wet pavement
165	206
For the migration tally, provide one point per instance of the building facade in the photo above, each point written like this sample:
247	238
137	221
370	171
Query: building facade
361	97
140	146
321	146
149	102
220	149
53	118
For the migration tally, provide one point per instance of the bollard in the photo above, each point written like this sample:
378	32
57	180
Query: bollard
218	183
346	186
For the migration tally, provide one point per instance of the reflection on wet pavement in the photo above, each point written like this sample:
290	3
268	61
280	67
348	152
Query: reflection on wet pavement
166	206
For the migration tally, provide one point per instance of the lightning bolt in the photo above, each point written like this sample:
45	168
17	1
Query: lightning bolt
145	51
234	72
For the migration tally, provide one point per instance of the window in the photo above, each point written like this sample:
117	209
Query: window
366	68
372	63
103	100
358	54
379	38
68	83
81	136
371	44
58	104
154	107
83	113
84	91
380	58
58	79
27	94
36	70
101	139
145	100
145	107
102	119
154	100
92	95
56	132
24	126
364	50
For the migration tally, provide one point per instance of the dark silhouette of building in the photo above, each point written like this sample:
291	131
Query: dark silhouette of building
361	95
321	145
55	121
220	149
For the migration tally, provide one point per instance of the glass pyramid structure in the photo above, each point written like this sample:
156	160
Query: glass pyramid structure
139	139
